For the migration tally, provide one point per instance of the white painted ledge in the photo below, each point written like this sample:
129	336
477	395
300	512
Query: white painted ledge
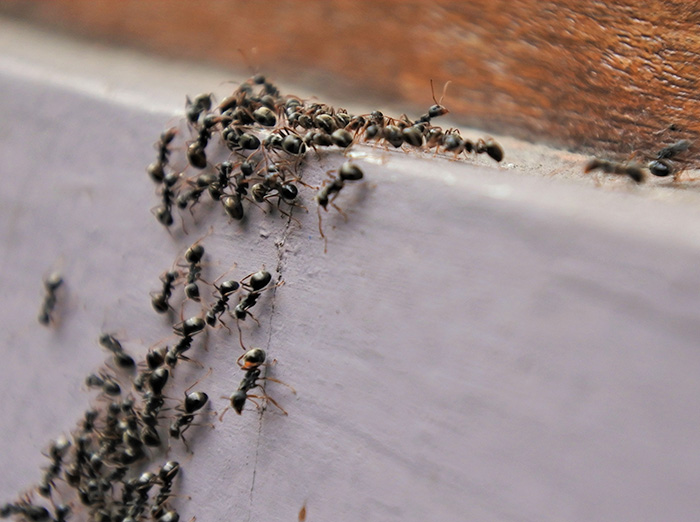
477	344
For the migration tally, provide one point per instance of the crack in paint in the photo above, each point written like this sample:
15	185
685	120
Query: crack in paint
280	246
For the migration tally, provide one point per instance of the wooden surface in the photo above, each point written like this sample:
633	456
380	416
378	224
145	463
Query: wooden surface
586	75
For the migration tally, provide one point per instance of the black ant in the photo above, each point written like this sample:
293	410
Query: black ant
221	180
193	256
256	283
490	147
172	355
251	359
435	110
167	516
163	212
330	189
160	301
274	181
57	451
453	142
152	404
196	155
106	383
632	170
193	402
225	289
26	509
88	425
662	165
187	330
51	285
233	203
157	169
190	327
250	382
194	108
154	360
166	475
121	358
156	382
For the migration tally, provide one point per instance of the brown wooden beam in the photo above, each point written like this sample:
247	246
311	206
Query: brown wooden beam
593	75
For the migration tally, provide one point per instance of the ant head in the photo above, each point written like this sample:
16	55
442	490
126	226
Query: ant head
437	109
238	401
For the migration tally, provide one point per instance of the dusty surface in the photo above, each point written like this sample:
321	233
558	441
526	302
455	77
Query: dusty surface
479	342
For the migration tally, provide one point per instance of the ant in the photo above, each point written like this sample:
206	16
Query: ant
435	110
274	181
187	330
251	359
57	451
661	166
160	301
51	285
194	108
141	487
190	327
453	142
220	181
257	283
157	381
26	509
490	147
154	360
88	425
251	381
193	402
226	289
233	203
157	169
196	155
193	256
105	382
632	170
166	475
163	212
329	190
172	355
121	358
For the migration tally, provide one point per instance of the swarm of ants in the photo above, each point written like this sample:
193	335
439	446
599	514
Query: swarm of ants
265	137
247	149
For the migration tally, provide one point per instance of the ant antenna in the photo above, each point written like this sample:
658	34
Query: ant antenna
444	91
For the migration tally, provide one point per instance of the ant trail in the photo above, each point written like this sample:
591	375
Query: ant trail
280	264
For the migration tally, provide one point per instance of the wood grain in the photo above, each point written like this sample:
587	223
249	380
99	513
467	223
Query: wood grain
587	75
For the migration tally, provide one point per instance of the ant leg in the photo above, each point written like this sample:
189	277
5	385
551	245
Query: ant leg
254	318
270	399
225	325
255	402
240	336
221	417
280	382
340	211
320	228
198	380
188	359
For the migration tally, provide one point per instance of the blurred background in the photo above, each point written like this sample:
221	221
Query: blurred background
582	75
